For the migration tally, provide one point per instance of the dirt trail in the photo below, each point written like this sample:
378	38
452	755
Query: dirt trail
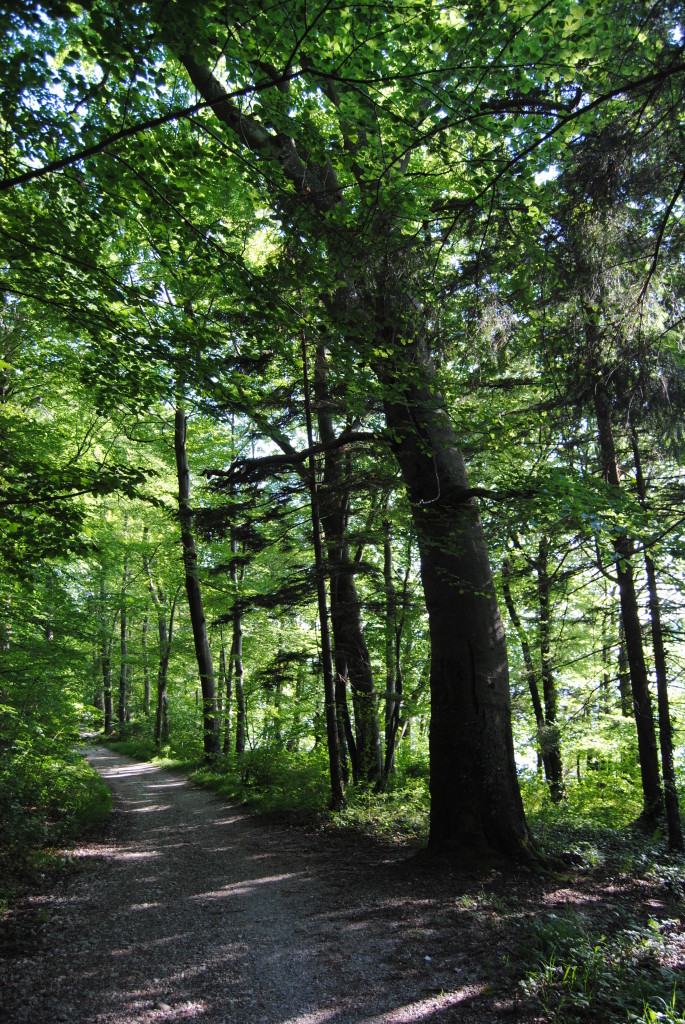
191	909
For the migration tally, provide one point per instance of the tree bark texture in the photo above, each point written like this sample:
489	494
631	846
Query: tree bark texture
210	710
476	804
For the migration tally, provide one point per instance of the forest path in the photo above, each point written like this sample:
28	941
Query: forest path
191	909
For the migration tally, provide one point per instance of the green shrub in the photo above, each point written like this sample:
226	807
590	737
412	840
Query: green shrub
45	799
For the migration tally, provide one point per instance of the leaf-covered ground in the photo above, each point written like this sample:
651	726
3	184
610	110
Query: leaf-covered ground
187	908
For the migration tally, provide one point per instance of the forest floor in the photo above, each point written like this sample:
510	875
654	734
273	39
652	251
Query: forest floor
185	908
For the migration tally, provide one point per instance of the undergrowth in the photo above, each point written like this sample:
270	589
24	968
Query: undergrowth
627	972
46	799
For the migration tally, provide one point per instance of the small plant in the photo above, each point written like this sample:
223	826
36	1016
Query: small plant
574	973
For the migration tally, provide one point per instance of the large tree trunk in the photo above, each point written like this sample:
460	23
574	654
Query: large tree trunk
352	660
639	680
210	710
476	804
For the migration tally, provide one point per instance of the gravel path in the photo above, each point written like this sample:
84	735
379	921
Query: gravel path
191	909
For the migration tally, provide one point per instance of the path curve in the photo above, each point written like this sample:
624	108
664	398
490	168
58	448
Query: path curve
191	909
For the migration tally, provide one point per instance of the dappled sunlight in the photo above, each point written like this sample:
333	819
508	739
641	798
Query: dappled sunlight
244	887
125	771
134	854
150	808
316	1017
425	1008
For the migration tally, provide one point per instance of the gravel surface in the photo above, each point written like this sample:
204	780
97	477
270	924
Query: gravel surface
192	909
186	908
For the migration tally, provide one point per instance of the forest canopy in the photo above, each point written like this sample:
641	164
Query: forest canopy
341	398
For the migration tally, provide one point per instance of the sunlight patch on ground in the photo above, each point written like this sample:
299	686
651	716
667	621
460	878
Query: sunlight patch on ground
241	888
425	1007
150	808
126	771
139	855
317	1017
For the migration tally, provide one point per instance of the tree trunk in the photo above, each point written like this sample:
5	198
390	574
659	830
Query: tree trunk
623	673
531	677
330	708
675	832
146	662
351	652
550	736
639	681
210	711
226	676
123	665
476	804
106	662
238	673
393	667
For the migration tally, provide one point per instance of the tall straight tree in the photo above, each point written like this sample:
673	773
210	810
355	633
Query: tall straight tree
210	708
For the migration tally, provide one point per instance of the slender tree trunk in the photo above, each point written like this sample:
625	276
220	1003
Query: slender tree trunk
146	662
210	710
531	676
393	671
675	832
351	652
639	681
550	735
335	769
123	665
476	804
226	677
165	636
106	662
238	671
623	673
